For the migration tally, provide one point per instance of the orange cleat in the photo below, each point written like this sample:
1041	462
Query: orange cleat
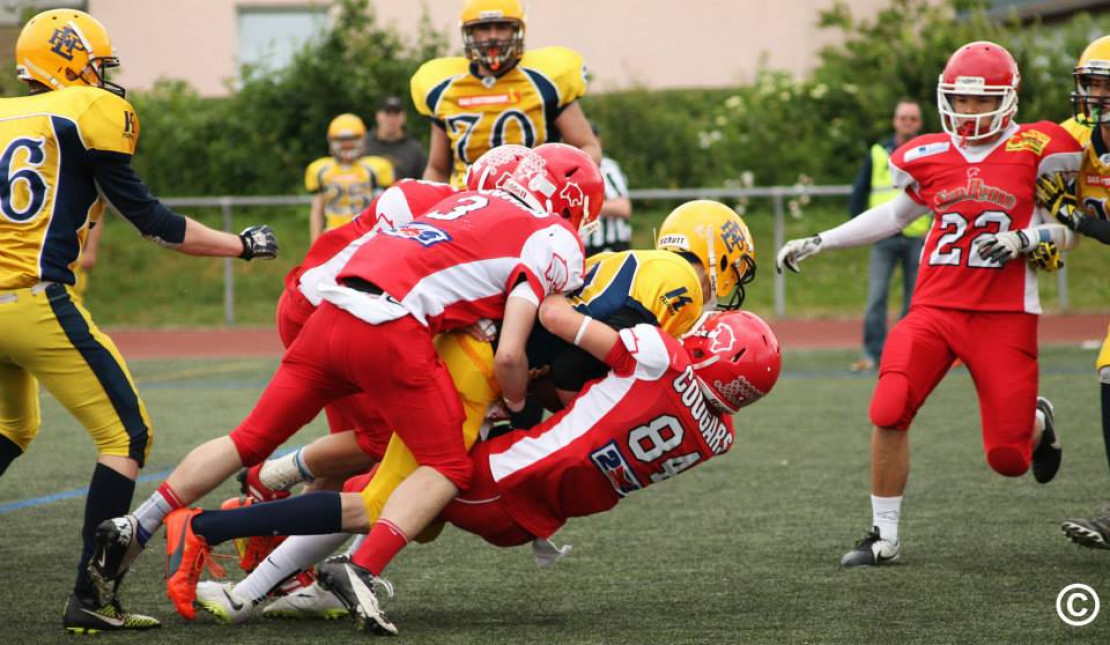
186	556
252	550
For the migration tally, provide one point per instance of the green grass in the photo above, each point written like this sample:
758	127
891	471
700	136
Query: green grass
138	284
741	550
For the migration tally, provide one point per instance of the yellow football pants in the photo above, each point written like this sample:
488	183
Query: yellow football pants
47	337
470	363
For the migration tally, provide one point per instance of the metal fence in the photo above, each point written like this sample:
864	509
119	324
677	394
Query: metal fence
777	194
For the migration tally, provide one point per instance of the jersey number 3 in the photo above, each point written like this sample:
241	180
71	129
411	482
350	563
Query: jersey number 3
23	191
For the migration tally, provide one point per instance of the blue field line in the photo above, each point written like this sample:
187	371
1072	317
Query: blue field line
11	507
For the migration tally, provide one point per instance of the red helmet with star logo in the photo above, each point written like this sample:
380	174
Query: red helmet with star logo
736	358
562	180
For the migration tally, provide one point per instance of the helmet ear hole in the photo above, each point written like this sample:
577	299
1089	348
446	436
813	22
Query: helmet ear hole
740	354
724	263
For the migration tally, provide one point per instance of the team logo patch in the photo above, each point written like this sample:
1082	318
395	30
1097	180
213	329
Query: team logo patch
927	150
676	299
975	191
505	98
1028	141
557	274
421	232
65	41
723	339
614	466
678	241
732	235
573	194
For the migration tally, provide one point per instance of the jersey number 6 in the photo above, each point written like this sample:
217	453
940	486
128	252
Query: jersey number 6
32	181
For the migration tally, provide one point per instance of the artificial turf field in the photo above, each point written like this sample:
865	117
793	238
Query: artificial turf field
741	550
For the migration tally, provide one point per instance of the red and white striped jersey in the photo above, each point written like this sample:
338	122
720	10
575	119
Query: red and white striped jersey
973	192
457	263
397	205
643	423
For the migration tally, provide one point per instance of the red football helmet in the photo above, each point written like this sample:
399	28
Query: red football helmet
491	170
736	358
560	179
980	68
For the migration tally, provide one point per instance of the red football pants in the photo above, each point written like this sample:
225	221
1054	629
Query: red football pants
999	350
353	412
394	363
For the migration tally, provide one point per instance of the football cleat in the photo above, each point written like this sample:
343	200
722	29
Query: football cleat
250	484
872	550
1048	453
252	550
186	556
82	617
312	601
117	546
355	587
1094	532
220	600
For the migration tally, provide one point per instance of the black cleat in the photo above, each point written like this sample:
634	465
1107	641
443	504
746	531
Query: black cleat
1093	533
355	587
1048	453
89	618
872	551
117	546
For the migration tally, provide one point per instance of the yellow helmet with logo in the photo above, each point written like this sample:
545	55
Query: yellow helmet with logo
65	48
494	54
347	137
1094	62
714	235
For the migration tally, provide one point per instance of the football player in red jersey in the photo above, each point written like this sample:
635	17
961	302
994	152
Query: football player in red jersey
971	302
475	255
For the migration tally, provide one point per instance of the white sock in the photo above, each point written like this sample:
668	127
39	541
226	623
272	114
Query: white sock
885	512
285	472
150	515
294	554
355	544
1039	421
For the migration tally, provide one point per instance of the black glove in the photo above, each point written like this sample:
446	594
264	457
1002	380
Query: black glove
258	242
1058	198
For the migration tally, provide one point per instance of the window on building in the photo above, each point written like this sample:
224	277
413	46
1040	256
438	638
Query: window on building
269	36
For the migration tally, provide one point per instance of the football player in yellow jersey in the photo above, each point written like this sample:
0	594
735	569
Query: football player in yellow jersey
499	93
1083	207
345	182
65	153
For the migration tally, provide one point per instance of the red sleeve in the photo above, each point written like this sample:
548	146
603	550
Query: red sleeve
620	360
523	274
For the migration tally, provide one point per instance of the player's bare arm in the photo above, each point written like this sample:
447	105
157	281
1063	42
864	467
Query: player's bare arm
439	156
575	130
510	364
316	216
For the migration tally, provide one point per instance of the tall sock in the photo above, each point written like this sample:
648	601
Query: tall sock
1105	391
285	472
155	509
382	544
9	451
296	554
309	514
109	496
885	512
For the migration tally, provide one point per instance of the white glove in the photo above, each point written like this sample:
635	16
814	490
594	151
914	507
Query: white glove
1003	247
795	251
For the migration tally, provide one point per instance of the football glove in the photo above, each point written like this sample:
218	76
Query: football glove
1057	196
258	242
1046	257
1003	247
795	251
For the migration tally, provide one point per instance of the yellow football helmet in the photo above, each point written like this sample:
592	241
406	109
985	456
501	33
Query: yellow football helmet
714	235
65	48
1094	62
347	137
497	55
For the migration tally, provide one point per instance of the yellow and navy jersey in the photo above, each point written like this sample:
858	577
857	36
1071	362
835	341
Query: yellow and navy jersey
348	188
1093	182
519	106
57	149
661	286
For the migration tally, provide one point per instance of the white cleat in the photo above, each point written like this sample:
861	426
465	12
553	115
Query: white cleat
220	600
307	602
357	588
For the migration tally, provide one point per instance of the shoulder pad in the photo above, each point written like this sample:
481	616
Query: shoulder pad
429	81
562	66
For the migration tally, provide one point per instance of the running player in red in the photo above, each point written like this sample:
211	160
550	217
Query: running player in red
474	256
971	302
